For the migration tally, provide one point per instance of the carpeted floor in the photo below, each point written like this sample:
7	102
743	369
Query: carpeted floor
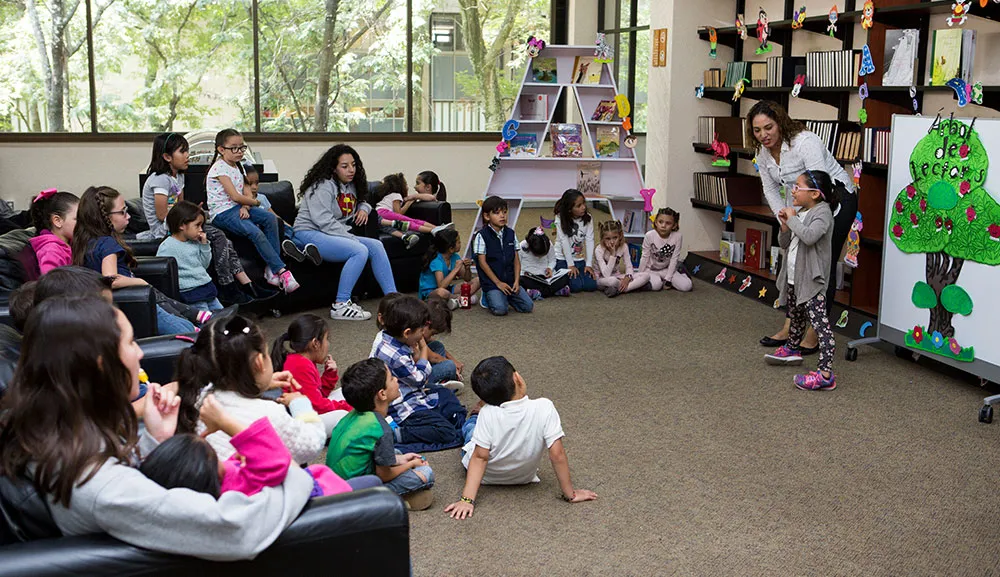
708	462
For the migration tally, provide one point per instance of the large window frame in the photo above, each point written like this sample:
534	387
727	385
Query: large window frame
617	29
559	31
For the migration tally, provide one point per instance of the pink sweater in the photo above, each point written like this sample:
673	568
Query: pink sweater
608	262
265	462
51	251
660	253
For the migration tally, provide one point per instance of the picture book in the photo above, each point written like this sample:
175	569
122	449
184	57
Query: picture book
522	146
900	57
608	141
567	140
756	244
605	111
543	69
586	71
588	178
635	253
556	275
946	56
534	106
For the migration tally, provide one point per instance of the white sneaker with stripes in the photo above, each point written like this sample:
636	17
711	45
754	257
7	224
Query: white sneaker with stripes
348	311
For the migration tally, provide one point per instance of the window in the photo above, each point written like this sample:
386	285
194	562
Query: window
267	66
626	24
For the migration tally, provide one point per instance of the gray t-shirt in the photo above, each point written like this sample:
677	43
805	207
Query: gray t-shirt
160	184
384	454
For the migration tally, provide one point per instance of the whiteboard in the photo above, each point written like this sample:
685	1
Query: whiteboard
898	315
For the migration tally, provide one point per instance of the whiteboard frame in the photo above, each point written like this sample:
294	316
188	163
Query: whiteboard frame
980	368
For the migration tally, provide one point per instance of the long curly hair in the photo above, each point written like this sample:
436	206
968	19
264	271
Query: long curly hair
789	128
326	168
93	220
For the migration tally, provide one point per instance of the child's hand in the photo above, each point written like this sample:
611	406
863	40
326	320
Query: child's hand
330	364
589	272
623	285
244	213
459	365
581	495
284	380
786	213
467	262
202	238
287	398
516	286
573	271
460	266
360	218
548	273
460	510
213	415
160	412
504	288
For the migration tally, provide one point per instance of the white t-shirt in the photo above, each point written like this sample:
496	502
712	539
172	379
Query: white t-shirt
386	202
515	433
166	185
578	247
218	200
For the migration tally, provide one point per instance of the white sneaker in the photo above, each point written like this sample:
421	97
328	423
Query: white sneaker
348	311
271	278
474	299
411	239
288	282
445	226
453	386
453	304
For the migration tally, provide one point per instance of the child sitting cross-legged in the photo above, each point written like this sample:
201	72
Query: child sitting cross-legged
611	256
430	418
362	443
505	441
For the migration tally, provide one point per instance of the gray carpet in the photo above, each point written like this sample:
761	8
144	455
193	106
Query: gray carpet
708	462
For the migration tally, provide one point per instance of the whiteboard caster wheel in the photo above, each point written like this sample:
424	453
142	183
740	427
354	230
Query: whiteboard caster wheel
986	414
851	354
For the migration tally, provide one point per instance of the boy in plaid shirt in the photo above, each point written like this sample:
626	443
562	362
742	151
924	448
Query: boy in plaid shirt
429	417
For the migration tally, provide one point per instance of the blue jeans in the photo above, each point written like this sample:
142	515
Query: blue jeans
498	302
168	324
212	305
582	282
467	429
354	252
261	228
364	482
445	370
408	481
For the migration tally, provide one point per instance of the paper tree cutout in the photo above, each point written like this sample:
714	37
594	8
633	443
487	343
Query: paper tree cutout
947	214
647	198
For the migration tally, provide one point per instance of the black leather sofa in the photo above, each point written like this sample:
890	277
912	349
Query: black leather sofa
362	533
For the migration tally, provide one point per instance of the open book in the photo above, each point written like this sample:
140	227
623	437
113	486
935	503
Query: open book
556	275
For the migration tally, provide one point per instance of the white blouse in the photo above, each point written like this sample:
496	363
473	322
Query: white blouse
805	152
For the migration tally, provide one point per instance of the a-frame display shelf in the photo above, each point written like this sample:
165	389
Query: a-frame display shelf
543	177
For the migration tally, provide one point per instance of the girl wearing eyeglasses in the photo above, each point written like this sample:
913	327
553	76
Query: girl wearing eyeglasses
785	150
807	239
239	214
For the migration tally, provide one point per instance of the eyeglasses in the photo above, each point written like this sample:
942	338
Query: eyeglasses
122	212
797	188
235	149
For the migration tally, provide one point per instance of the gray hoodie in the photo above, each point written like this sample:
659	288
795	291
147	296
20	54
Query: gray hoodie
320	211
121	501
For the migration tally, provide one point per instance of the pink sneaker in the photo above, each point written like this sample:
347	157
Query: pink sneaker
563	292
271	278
784	356
815	381
288	282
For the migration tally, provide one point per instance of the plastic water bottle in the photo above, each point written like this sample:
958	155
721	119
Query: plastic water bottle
465	298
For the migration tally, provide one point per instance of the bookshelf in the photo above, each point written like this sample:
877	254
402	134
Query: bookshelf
542	177
882	103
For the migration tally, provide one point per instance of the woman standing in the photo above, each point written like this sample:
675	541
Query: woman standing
333	197
785	149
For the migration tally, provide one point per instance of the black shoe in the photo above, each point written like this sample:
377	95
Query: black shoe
769	342
808	351
291	251
312	253
231	294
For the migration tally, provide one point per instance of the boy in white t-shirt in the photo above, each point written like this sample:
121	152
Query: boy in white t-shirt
505	441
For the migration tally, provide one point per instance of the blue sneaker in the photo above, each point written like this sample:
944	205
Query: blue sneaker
815	381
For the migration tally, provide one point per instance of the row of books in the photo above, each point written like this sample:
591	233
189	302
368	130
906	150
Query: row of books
826	130
833	69
758	75
586	70
753	252
735	71
729	129
634	221
848	146
876	147
782	70
730	251
567	142
722	188
713	78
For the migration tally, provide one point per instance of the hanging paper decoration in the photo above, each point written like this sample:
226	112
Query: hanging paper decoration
854	242
959	12
713	42
832	28
603	54
863	92
627	124
863	116
502	146
696	269
699	91
958	85
867	64
755	167
535	46
741	27
857	175
547	223
800	81
624	108
647	198
867	14
495	164
740	87
720	152
843	320
763	31
913	95
762	293
977	93
799	18
727	215
630	141
510	129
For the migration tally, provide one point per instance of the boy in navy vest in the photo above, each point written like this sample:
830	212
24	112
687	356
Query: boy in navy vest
499	266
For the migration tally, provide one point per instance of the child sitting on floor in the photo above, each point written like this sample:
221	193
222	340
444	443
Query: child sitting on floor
499	267
428	416
538	265
610	257
443	268
362	442
505	441
661	251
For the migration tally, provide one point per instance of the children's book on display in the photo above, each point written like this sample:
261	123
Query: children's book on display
556	275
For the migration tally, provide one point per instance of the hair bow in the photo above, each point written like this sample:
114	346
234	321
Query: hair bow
538	230
45	194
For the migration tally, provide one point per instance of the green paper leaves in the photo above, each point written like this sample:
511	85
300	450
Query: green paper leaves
924	297
954	299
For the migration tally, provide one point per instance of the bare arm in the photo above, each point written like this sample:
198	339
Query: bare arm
473	479
109	268
234	195
560	464
160	202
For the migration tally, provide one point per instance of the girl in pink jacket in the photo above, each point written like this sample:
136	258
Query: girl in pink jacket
611	257
661	251
53	214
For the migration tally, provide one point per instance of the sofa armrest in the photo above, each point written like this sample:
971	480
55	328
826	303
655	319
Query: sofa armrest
160	273
138	304
144	247
160	354
434	212
362	533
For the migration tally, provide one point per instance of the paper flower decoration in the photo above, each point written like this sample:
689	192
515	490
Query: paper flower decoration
918	333
937	339
953	346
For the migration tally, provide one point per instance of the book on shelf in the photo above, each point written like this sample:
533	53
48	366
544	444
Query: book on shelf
848	146
968	54
833	69
605	111
588	178
900	57
876	146
608	141
782	70
946	55
775	259
758	74
731	252
729	129
756	248
634	221
635	253
547	280
826	130
534	106
722	188
735	71
543	69
713	78
586	70
567	140
522	146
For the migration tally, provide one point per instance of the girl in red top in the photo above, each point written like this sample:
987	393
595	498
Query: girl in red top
303	346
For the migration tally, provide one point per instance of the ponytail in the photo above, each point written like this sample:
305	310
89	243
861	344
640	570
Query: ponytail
431	179
441	243
296	339
195	369
279	351
51	203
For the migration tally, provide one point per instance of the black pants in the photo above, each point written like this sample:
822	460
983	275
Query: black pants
841	227
547	290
